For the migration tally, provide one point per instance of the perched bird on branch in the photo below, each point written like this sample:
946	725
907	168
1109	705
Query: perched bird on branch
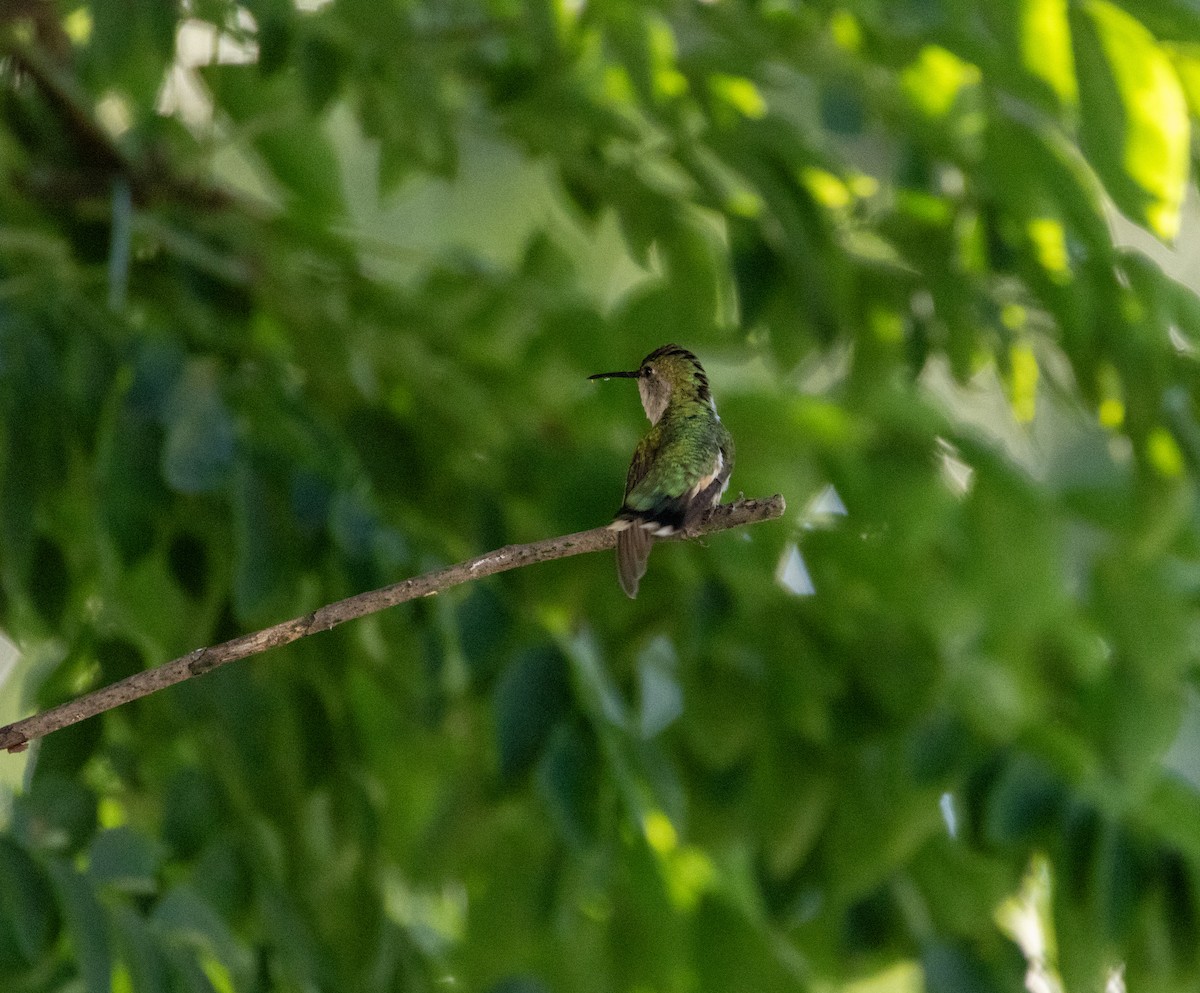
680	468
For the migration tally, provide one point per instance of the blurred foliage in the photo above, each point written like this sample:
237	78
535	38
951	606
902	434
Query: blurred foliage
228	395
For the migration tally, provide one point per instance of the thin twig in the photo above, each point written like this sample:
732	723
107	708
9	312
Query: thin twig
101	156
15	737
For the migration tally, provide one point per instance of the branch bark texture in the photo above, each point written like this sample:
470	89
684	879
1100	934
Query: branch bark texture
16	736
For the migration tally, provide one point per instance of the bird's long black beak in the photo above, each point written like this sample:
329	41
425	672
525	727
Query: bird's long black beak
617	375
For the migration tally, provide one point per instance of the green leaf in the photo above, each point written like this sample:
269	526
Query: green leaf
66	751
530	698
1135	121
125	860
118	658
34	459
519	984
758	273
52	588
953	969
195	925
133	44
1173	810
936	80
594	689
58	814
729	945
191	811
141	954
1185	57
1024	799
1038	62
1046	46
131	485
87	924
222	877
568	778
29	912
293	145
1121	880
199	446
322	62
660	697
484	624
266	552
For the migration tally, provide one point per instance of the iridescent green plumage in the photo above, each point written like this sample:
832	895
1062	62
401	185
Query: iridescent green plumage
680	468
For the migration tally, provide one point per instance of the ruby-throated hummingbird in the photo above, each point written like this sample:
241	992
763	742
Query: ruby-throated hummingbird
680	469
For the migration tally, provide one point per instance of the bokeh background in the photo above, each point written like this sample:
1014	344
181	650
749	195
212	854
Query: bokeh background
298	299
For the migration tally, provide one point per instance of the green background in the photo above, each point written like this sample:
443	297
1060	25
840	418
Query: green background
298	302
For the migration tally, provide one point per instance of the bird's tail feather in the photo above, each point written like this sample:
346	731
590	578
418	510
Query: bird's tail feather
633	549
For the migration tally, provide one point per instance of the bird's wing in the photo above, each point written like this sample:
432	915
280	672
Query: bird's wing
707	491
639	466
663	489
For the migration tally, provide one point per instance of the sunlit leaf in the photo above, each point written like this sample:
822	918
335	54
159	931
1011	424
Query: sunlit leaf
739	93
1135	121
935	79
1046	46
1186	59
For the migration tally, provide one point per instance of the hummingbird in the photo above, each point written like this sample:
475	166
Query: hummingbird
680	468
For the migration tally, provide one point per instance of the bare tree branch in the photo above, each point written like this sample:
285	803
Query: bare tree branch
16	736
